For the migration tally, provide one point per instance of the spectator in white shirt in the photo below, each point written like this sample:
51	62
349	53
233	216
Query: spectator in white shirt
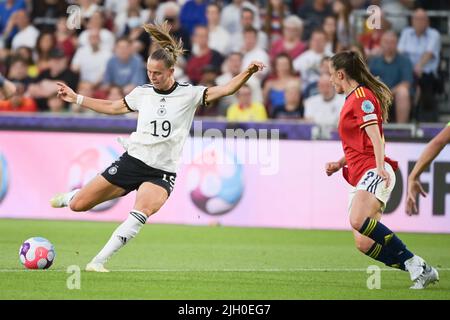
422	45
308	63
107	38
219	38
90	61
231	16
324	108
27	35
248	21
252	52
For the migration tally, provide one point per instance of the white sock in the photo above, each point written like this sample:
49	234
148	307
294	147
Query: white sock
69	196
121	236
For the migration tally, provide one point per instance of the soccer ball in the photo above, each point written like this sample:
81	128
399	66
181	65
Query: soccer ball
37	253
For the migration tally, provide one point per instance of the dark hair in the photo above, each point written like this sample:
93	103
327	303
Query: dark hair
169	49
354	66
251	29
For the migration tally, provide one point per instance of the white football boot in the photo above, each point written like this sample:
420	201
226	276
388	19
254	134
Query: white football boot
58	200
421	274
96	267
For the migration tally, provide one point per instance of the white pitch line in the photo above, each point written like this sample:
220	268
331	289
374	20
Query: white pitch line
228	270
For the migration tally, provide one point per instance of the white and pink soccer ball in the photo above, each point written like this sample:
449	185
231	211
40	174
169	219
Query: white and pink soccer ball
37	253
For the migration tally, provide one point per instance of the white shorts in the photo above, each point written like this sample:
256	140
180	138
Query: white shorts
371	182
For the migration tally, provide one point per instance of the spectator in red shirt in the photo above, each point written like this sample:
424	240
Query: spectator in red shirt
201	56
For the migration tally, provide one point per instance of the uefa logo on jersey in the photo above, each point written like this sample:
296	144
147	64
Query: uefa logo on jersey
4	177
87	165
215	181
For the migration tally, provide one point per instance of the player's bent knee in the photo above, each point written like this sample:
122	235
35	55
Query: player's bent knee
78	205
356	222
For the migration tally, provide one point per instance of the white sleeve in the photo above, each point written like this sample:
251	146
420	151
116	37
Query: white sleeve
132	99
198	95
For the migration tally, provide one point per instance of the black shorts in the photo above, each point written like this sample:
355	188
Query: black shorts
129	173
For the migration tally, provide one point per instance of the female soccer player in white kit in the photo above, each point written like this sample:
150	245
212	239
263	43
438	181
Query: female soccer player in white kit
166	110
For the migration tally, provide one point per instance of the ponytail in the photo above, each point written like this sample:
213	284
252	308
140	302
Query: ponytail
169	49
356	68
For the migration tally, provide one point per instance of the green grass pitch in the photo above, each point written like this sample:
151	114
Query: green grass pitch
187	262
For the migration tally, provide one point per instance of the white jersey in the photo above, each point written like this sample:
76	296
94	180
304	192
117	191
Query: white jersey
164	122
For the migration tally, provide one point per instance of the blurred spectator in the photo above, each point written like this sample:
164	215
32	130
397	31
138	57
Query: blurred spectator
232	67
330	27
231	16
371	38
248	22
396	71
45	14
219	38
65	38
56	104
134	16
114	7
193	13
169	11
291	41
124	68
202	55
252	52
325	66
7	8
88	8
27	54
274	88
45	88
26	35
395	9
87	90
90	61
209	76
344	35
246	109
273	18
97	22
324	108
18	102
292	108
422	45
18	72
313	14
115	93
45	43
308	63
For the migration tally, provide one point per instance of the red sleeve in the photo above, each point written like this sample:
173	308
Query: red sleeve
365	108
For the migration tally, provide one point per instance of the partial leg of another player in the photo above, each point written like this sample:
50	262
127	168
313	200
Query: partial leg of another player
364	212
150	198
98	190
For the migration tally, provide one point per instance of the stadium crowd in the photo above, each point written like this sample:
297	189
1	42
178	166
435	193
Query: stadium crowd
103	54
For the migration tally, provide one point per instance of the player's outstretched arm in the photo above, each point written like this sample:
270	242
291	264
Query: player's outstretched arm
431	151
234	84
7	87
98	105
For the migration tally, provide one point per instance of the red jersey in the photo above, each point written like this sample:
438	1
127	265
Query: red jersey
361	109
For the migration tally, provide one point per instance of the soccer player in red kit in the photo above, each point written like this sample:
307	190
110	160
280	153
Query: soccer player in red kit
367	169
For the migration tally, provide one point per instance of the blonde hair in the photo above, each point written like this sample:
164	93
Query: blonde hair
169	48
355	67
